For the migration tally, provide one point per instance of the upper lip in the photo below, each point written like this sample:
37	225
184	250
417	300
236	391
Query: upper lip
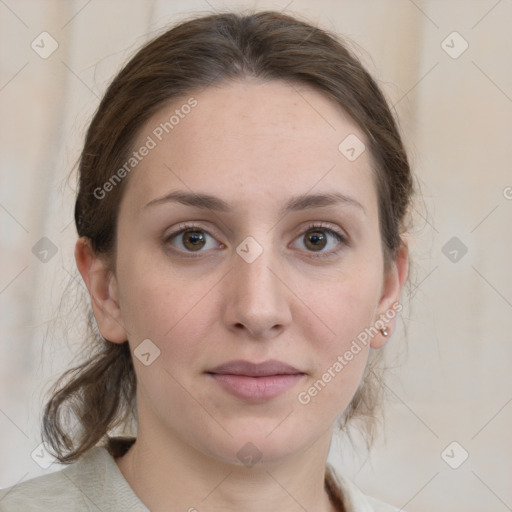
249	369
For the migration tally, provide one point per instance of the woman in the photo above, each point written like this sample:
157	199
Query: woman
243	191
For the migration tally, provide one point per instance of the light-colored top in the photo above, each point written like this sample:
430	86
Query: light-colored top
94	483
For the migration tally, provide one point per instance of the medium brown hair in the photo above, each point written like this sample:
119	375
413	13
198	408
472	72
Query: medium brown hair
99	394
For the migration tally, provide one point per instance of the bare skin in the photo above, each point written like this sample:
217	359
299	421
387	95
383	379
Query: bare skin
254	145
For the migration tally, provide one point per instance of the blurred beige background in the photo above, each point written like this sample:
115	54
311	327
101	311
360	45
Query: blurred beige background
446	66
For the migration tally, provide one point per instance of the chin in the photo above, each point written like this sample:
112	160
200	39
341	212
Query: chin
262	442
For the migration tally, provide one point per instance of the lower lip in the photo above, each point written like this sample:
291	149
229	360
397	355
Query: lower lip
256	388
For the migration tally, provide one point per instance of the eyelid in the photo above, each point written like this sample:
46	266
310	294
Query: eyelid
335	231
189	226
328	227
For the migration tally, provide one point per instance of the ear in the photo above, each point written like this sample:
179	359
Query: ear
389	301
102	285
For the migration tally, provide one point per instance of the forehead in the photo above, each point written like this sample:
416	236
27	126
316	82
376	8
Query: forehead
251	141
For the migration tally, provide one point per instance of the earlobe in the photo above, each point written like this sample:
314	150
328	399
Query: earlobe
102	286
389	305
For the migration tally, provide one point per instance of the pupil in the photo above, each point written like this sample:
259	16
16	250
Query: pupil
315	237
195	238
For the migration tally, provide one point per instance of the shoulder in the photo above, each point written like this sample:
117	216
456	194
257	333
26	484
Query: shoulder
42	493
356	501
92	483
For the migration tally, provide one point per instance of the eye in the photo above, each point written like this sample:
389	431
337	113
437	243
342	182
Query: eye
190	238
318	237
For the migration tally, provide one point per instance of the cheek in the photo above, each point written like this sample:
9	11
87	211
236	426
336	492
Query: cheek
340	357
343	315
168	307
344	306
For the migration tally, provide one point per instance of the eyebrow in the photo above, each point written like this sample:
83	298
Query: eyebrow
296	203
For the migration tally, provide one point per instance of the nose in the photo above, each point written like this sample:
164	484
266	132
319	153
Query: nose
257	300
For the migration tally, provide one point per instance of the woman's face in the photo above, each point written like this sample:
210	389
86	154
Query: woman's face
258	276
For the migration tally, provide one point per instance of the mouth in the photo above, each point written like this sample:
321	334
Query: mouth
255	382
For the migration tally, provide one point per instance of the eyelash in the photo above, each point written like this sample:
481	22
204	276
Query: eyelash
339	236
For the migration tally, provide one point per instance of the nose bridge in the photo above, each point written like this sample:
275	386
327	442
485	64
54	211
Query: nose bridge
259	299
254	269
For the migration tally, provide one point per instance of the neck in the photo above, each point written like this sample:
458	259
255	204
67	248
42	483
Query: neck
164	471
